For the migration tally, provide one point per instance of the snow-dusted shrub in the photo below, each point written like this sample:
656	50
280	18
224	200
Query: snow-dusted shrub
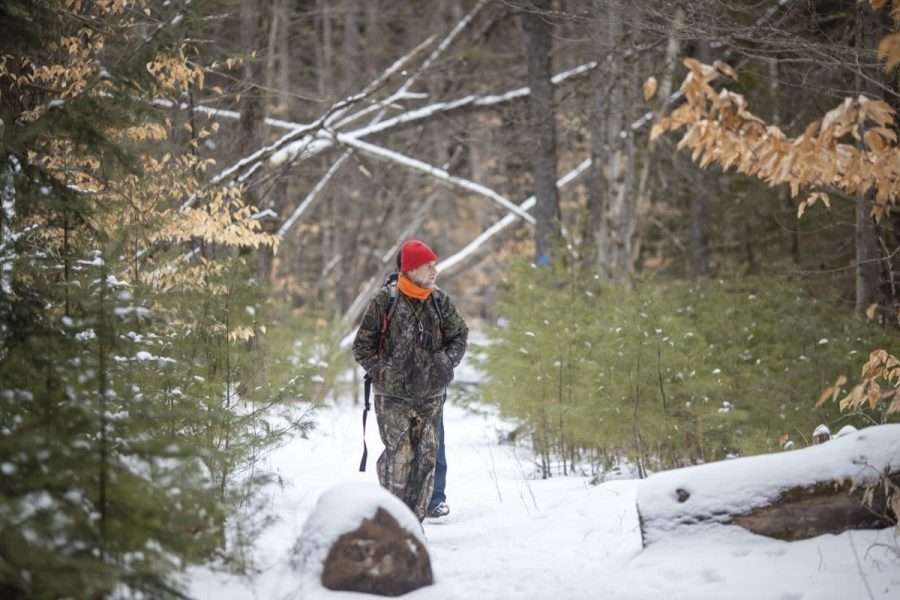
666	374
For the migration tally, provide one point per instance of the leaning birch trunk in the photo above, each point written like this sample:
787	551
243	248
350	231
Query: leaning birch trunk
846	483
661	104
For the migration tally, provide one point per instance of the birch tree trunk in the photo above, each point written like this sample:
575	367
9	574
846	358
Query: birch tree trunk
614	154
542	122
596	181
643	192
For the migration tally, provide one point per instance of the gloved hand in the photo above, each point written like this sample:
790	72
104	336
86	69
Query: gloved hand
443	367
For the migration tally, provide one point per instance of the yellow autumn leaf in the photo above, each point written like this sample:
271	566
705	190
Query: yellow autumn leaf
870	312
895	407
889	51
831	391
873	394
649	88
726	69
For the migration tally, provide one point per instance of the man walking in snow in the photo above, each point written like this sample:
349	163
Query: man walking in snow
409	342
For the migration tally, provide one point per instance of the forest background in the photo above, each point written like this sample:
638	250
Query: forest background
198	199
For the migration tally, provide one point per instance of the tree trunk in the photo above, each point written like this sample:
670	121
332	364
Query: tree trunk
542	121
596	181
867	250
699	257
867	256
252	108
324	51
791	227
615	166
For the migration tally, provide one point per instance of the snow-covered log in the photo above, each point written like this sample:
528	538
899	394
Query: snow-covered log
828	488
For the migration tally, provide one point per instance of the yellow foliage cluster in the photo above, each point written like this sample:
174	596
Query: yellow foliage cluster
144	207
881	367
138	207
149	131
58	81
853	147
70	165
173	72
198	275
889	47
223	218
70	66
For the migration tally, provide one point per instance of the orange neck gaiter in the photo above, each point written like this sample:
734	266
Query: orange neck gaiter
411	290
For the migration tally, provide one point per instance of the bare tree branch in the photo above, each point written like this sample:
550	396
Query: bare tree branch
456	259
440	174
403	92
413	117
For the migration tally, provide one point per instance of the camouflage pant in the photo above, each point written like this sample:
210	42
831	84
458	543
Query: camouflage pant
406	467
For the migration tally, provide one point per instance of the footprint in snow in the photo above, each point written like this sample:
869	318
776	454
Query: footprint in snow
712	576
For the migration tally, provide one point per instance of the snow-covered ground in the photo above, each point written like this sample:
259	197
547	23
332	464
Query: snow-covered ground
510	536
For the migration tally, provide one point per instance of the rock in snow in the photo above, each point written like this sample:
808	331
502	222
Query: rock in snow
361	538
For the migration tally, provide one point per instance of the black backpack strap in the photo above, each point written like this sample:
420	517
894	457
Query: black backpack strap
388	314
367	393
437	306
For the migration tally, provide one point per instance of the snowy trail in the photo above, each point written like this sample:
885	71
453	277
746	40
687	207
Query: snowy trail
509	536
505	531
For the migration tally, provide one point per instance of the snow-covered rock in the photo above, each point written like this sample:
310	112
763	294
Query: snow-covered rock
821	434
361	538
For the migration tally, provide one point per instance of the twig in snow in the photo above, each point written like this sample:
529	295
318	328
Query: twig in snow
859	568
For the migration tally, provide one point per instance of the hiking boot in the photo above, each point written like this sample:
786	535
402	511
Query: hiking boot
439	510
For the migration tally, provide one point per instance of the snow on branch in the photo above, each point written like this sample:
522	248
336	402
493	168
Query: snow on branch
307	143
453	261
310	198
457	258
440	174
260	154
403	92
382	79
224	113
471	248
292	151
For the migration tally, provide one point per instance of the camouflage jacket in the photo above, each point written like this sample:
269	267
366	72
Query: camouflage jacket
419	350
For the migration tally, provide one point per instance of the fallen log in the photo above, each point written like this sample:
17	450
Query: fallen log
852	482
